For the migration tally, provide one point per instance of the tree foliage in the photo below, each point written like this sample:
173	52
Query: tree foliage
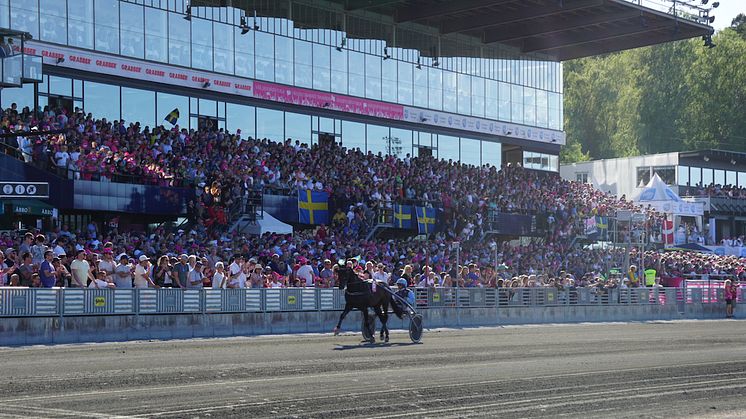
670	97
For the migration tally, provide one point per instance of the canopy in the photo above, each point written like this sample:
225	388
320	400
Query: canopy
662	199
691	247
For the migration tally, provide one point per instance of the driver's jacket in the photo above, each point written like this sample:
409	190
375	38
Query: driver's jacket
407	295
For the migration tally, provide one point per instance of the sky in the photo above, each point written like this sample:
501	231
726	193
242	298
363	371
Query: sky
727	10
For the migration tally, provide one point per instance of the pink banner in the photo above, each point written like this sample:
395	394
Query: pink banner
306	97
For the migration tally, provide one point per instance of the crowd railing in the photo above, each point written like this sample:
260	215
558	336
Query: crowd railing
50	302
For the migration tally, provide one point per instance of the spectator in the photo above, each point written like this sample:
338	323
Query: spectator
81	270
143	274
123	272
219	279
47	271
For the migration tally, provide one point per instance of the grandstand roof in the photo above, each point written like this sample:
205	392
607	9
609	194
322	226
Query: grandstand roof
562	29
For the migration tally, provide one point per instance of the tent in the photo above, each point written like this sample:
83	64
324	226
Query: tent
691	247
662	199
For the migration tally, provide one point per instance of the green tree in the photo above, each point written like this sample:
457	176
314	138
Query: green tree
573	153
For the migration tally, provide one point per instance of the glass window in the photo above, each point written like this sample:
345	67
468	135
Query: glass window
303	61
138	106
529	106
477	96
240	119
741	179
298	127
61	86
107	29
449	91
339	71
542	109
719	177
378	139
202	44
471	151
356	83
103	99
424	139
404	82
353	135
207	107
269	124
322	67
730	178
504	104
80	23
695	176
706	177
52	19
156	35
421	88
555	109
389	89
223	41
643	176
516	103
4	13
490	99
21	96
401	142
464	94
265	56
372	76
554	163
492	153
448	148
435	83
167	103
683	175
132	29
24	16
179	46
667	174
244	53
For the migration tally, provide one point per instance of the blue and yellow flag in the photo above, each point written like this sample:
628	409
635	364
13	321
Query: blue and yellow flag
425	220
313	207
402	216
172	116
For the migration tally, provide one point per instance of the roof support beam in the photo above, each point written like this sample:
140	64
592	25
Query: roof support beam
591	36
410	13
529	11
520	31
364	4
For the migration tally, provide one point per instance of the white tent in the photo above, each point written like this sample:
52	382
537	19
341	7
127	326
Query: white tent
662	199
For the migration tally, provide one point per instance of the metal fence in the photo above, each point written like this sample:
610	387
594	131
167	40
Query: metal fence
21	302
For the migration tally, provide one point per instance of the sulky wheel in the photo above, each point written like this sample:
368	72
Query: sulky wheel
415	328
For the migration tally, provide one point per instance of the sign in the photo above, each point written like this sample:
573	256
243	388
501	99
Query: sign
24	189
291	299
436	297
99	301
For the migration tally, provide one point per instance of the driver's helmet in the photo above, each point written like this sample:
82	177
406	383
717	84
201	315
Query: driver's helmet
402	282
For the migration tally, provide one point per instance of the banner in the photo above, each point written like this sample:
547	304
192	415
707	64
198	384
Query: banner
425	220
590	226
313	207
403	216
668	232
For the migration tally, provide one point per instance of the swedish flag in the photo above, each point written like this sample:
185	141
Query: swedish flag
172	116
403	216
313	207
425	220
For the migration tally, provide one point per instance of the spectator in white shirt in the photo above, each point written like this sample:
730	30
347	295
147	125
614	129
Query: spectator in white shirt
219	279
81	270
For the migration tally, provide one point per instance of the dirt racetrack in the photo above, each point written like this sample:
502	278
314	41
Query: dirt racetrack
657	369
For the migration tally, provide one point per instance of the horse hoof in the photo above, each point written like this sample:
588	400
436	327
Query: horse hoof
372	340
386	339
336	331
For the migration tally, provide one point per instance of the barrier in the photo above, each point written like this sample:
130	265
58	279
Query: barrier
27	302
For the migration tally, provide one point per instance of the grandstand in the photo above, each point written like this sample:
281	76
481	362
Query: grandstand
421	141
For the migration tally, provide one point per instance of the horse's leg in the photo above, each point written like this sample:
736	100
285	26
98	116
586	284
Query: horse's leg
366	319
385	320
342	316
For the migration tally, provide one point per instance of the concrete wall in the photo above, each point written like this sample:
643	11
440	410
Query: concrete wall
46	330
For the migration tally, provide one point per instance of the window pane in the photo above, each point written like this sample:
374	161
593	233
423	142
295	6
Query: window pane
240	118
529	106
167	103
4	13
179	47
265	56
741	179
201	44
404	83
435	83
542	109
298	127
24	16
132	29
643	176
471	151
504	105
103	99
719	177
269	124
372	76
321	67
516	103
207	107
353	135
138	106
706	177
357	74
695	176
60	86
683	175
464	94
52	19
80	23
389	88
223	36
378	139
339	71
492	153
730	178
244	53
107	28
421	92
156	35
490	99
477	96
449	92
448	148
303	62
21	96
401	142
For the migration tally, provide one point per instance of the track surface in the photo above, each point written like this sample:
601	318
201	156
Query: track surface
660	369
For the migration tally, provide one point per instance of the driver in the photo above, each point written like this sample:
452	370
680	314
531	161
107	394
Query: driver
404	291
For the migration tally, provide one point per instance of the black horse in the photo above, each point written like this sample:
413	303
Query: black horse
359	295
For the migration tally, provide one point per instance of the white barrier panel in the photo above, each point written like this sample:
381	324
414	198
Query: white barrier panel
46	302
124	301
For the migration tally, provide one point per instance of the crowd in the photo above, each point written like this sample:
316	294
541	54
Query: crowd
716	191
225	168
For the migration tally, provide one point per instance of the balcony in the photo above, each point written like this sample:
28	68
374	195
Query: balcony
11	71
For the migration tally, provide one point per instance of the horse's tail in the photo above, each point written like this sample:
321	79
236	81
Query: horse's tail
396	306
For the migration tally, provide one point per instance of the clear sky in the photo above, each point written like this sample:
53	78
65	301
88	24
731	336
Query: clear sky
727	11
